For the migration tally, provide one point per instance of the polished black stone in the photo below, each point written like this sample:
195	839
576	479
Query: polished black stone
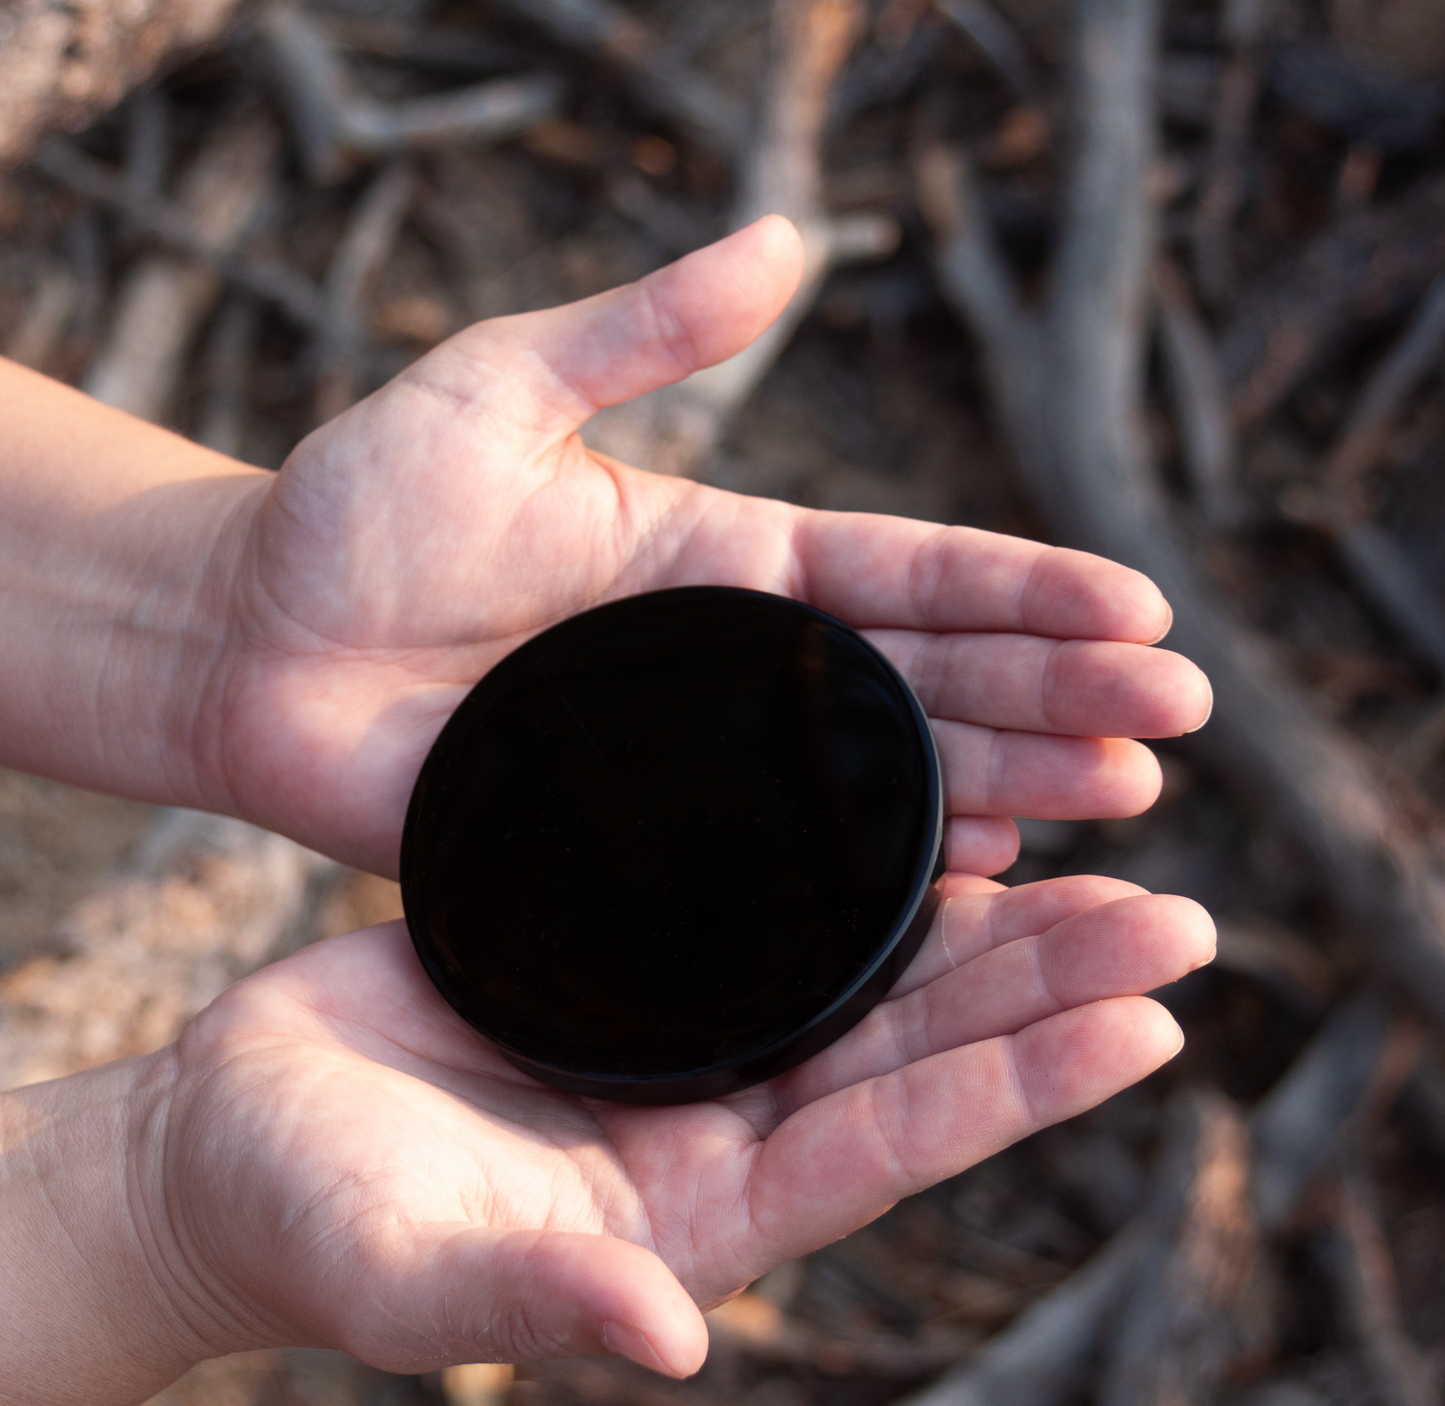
676	844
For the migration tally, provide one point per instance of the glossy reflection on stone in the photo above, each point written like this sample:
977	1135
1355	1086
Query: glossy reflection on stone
675	844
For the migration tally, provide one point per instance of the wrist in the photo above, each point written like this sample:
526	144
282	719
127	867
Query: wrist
97	1302
119	544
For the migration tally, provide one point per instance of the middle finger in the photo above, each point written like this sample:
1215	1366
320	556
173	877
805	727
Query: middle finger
1085	688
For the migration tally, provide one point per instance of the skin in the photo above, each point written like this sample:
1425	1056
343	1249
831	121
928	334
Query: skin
328	1155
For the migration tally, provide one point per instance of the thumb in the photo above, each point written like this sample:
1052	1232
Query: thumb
488	1296
553	370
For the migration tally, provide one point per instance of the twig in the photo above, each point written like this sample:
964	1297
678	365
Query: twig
999	43
1224	178
674	227
1292	968
1418	352
1423	1104
1067	385
672	430
1425	742
376	221
287	290
1039	1357
227	363
1385	574
477	1383
163	299
57	294
1345	1072
333	119
1363	1272
1198	1301
1201	402
602	29
1367	267
1349	1065
147	145
1370	554
750	1324
64	61
206	901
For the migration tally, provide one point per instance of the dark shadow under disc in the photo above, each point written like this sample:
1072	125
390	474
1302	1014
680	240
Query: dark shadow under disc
675	844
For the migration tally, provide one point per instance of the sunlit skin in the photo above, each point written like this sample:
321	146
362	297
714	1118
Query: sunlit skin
328	1155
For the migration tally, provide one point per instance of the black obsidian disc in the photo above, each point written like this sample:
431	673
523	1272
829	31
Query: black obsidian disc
675	845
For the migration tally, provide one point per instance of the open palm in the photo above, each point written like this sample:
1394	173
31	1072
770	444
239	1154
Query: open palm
410	544
347	1164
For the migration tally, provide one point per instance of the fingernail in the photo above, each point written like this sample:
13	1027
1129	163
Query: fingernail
1209	712
1168	624
626	1341
1178	1046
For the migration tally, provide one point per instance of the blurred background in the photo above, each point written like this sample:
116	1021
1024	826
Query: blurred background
1159	278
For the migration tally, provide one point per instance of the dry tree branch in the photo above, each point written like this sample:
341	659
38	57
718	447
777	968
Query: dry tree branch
1368	266
39	330
1372	556
227	363
334	120
1201	400
999	42
206	901
1067	386
1200	1299
672	430
288	291
164	298
1419	351
1352	1064
1363	1273
604	31
1386	576
64	61
1224	176
1039	1358
376	221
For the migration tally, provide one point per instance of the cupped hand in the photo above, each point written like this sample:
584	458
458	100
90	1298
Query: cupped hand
411	543
346	1163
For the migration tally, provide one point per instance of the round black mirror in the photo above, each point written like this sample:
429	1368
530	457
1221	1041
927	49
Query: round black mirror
675	845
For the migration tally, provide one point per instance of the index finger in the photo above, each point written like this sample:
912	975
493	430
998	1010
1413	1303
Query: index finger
875	571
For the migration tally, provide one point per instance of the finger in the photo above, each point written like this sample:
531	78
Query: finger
967	925
980	844
840	1162
1083	688
552	370
470	1295
992	772
892	573
1126	948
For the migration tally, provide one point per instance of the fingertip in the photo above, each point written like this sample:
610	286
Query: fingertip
1077	595
1131	777
721	298
1156	1036
1168	619
781	244
666	1350
1208	704
648	1317
980	844
1195	926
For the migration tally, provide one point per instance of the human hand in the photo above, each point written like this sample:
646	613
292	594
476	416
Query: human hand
411	543
345	1163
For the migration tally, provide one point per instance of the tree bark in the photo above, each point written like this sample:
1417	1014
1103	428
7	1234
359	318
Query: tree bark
64	61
